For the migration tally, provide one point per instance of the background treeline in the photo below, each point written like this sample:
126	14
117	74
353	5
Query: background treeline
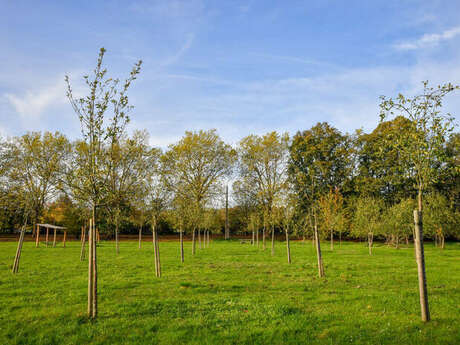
353	186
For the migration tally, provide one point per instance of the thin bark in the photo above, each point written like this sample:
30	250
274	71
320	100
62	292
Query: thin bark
65	237
47	236
420	257
253	238
288	247
370	241
257	237
193	242
117	245
273	240
54	238
318	251
83	240
181	246
157	242
332	239
263	238
199	238
140	236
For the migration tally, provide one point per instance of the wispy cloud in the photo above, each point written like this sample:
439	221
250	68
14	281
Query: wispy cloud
428	40
33	103
182	50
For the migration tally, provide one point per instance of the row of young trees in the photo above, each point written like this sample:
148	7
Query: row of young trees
319	182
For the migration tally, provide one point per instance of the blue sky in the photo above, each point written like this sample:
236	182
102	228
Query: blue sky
239	66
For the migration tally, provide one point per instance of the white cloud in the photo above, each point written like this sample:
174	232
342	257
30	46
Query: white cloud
32	103
428	40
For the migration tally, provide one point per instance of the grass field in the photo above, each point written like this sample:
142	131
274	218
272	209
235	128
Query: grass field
230	293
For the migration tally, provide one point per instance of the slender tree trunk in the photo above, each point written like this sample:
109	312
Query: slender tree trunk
318	251
288	247
407	240
273	240
263	238
83	240
140	236
332	239
181	245
227	227
193	242
397	241
340	238
117	245
199	238
65	237
370	241
54	238
156	253
47	236
253	238
420	256
442	241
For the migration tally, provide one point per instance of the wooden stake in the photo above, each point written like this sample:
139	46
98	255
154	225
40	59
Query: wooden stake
83	240
140	236
420	257
318	251
94	269
18	251
90	270
193	242
181	246
37	238
288	247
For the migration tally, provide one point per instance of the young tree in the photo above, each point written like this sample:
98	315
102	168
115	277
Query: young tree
262	167
193	169
319	161
423	151
87	175
367	219
331	212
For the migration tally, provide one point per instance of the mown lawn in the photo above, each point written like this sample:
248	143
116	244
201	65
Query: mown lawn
230	293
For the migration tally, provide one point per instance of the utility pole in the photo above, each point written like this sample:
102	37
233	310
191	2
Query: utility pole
227	230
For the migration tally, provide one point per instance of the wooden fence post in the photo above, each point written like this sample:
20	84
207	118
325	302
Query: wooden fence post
37	236
420	257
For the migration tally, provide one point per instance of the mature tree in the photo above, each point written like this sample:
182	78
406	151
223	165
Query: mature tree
32	164
367	219
440	219
380	172
423	150
194	168
398	221
130	163
262	170
319	161
87	175
331	213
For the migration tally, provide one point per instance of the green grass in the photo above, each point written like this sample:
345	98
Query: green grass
230	293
